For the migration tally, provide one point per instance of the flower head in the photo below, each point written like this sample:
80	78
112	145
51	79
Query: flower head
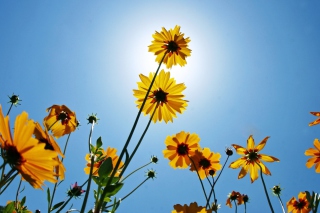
173	44
93	119
276	190
205	162
151	173
300	205
165	96
100	158
192	208
14	100
44	137
180	147
61	120
75	190
245	198
234	196
317	121
154	159
315	153
24	153
251	159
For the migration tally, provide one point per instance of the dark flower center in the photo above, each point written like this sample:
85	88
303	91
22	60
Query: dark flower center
182	149
205	163
48	145
172	46
159	96
64	117
13	157
252	155
300	205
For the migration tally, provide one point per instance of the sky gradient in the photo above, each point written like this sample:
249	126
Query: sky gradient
253	70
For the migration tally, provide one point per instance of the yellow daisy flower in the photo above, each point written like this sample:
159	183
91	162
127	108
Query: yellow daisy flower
192	208
315	153
44	137
24	153
61	120
180	147
205	161
110	152
300	205
165	96
234	196
173	44
317	121
251	158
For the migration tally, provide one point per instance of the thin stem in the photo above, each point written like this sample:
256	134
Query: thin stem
4	180
130	192
52	125
56	184
245	207
265	188
99	204
17	194
136	170
139	142
281	204
214	183
9	180
203	189
9	109
90	174
235	204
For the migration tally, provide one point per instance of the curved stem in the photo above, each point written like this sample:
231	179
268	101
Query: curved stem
135	171
281	204
8	180
99	204
203	189
17	194
130	192
56	184
265	188
139	142
235	204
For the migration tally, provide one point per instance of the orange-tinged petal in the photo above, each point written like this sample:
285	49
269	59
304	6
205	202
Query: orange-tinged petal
268	158
239	149
236	164
250	143
262	144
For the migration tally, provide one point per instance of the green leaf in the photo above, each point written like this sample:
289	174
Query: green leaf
57	205
105	168
113	189
48	196
9	208
99	142
23	201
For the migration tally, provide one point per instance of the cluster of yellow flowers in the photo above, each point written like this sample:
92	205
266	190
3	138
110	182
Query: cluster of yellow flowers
33	153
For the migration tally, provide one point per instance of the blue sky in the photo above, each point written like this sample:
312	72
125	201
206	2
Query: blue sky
254	69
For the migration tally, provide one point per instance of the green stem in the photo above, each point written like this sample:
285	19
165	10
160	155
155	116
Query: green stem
99	204
130	192
139	142
245	207
135	171
265	188
17	194
56	184
8	182
203	189
235	204
281	203
9	109
90	174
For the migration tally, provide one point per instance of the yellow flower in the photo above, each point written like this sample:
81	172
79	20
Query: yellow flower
317	121
110	152
24	153
234	196
205	161
173	44
50	144
298	206
165	96
193	208
252	159
180	147
315	153
61	120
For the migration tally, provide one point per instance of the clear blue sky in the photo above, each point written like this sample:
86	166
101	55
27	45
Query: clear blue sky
254	69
